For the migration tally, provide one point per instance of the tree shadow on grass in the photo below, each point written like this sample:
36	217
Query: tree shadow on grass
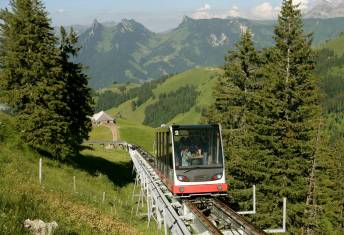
119	173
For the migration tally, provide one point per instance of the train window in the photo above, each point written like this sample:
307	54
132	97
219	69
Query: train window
156	145
163	148
169	150
199	147
159	146
161	151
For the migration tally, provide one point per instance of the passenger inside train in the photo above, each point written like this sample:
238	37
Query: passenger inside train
192	148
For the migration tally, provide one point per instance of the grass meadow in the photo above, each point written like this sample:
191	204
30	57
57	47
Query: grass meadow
80	210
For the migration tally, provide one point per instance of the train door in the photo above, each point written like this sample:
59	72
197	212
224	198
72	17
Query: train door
158	137
163	150
169	160
156	152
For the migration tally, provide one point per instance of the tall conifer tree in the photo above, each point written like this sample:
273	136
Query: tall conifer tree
29	57
76	92
235	109
287	127
38	83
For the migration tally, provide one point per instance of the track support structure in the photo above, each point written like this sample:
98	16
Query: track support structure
159	207
194	215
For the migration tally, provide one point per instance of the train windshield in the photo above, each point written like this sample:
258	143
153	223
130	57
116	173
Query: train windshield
197	147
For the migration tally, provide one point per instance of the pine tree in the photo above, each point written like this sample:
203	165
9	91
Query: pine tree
27	52
77	94
38	83
288	124
29	65
235	108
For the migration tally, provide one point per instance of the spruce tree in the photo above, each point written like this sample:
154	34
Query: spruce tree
76	93
235	108
287	126
38	83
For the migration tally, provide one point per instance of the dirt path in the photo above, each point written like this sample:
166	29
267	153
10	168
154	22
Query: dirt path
114	130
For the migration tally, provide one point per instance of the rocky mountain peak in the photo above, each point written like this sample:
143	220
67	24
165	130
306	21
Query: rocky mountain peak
95	27
95	24
130	25
186	19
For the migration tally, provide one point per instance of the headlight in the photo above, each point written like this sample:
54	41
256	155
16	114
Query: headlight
182	178
217	176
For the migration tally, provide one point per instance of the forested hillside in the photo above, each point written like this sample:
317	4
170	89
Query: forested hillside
136	103
330	71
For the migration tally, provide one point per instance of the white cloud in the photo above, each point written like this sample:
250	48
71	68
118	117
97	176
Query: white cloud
233	12
202	13
303	4
205	12
61	11
265	11
206	7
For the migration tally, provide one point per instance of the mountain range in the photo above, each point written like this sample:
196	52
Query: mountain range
329	71
129	52
326	9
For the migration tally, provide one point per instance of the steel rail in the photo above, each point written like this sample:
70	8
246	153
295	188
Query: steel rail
247	226
203	219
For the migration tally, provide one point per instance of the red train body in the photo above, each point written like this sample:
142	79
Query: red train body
189	159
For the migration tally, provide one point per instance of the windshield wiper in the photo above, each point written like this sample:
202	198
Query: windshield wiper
194	168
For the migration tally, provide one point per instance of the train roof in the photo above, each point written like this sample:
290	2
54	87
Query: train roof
187	126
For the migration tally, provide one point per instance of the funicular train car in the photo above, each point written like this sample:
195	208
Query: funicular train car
190	160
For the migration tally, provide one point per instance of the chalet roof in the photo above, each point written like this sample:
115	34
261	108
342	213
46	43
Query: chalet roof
101	117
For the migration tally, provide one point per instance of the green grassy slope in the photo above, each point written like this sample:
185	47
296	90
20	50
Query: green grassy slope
136	134
101	133
336	44
77	212
201	78
131	132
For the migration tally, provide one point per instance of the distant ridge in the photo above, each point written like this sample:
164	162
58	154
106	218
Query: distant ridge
326	9
129	52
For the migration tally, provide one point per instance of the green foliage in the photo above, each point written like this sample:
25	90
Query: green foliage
48	94
109	99
29	74
335	44
234	108
202	78
169	105
330	69
330	178
77	94
329	207
270	110
289	109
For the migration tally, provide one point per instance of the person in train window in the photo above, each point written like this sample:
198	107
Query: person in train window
186	154
203	155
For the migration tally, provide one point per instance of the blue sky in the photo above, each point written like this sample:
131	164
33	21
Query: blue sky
158	15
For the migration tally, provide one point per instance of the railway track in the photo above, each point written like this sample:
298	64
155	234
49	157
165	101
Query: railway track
200	215
218	218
